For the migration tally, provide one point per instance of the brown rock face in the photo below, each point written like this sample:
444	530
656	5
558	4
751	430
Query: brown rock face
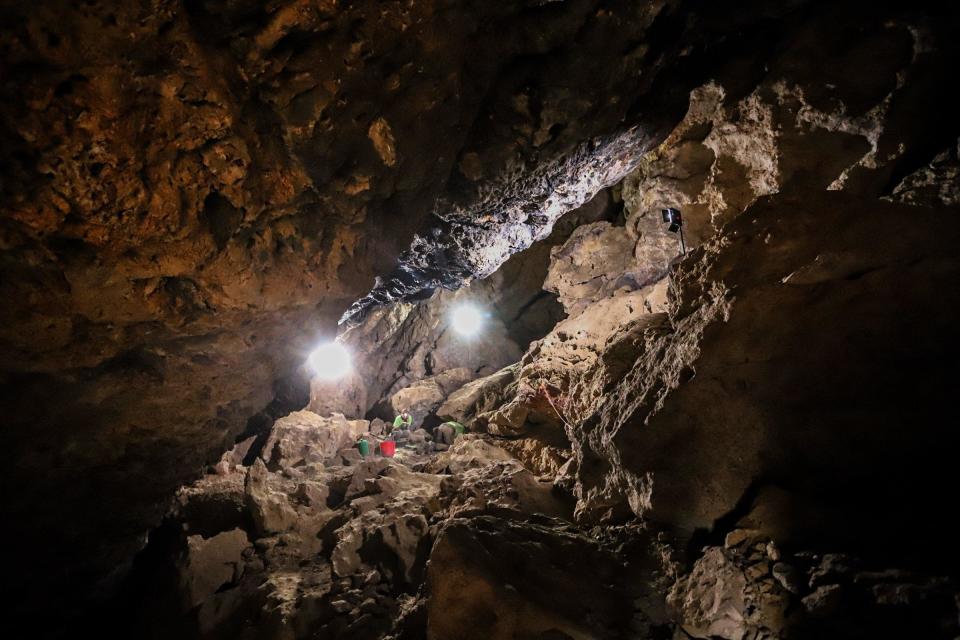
411	352
763	295
193	192
494	579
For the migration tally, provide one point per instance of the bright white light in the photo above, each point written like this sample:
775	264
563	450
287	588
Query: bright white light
466	319
330	361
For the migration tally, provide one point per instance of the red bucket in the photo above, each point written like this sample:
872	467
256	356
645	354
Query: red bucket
388	448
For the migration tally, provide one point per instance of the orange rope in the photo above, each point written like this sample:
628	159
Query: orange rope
546	393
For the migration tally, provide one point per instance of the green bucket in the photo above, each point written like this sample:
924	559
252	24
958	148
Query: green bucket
364	447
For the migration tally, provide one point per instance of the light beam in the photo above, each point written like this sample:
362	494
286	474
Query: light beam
467	320
330	361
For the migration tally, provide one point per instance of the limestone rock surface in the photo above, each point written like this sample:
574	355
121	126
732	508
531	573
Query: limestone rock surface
194	192
304	437
422	398
496	579
308	542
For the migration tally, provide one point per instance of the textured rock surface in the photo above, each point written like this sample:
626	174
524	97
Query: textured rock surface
396	348
192	193
422	398
778	277
797	382
211	563
493	579
346	395
303	437
598	261
748	589
339	544
829	246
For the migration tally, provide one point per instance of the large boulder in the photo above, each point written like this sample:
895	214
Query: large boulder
423	397
491	578
210	563
751	588
505	488
346	396
564	375
475	398
269	506
392	506
467	452
304	437
599	260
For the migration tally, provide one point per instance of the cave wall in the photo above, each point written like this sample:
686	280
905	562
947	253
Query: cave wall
788	376
777	410
807	404
409	355
839	401
194	192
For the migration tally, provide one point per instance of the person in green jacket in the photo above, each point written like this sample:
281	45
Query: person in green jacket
448	431
403	421
401	425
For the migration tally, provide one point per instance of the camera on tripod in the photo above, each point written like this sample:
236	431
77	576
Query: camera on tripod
674	219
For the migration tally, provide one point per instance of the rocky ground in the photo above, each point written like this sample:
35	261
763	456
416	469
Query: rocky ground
308	539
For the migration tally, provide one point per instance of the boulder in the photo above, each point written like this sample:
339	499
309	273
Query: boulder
598	261
235	456
789	283
270	508
716	601
212	504
468	452
504	487
210	563
423	397
391	526
304	437
563	376
492	578
346	396
475	398
543	453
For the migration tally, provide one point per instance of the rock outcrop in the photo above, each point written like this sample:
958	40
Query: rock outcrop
422	398
411	349
311	540
303	437
833	153
750	588
490	578
794	381
792	282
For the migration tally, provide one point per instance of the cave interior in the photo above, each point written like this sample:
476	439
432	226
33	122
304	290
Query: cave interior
238	238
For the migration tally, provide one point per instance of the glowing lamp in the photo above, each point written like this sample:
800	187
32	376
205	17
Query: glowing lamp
330	361
466	319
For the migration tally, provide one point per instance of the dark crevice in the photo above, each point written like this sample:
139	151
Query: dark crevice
725	523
